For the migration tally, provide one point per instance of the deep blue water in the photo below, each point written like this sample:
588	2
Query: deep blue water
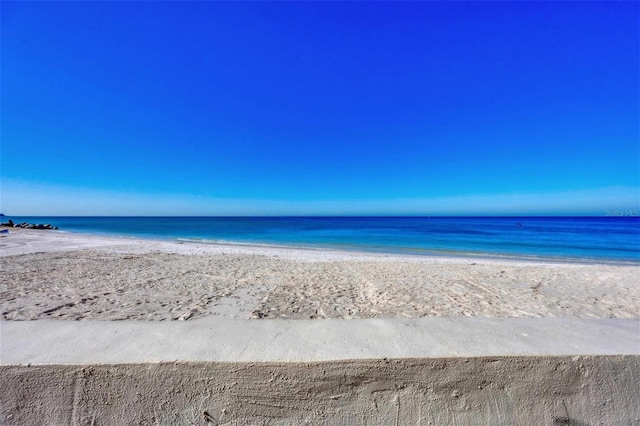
600	238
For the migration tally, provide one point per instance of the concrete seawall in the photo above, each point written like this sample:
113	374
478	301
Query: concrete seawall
382	371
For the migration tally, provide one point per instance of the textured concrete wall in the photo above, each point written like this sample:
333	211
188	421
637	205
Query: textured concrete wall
534	390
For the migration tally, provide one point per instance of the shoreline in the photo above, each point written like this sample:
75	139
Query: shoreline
427	253
269	248
63	275
564	239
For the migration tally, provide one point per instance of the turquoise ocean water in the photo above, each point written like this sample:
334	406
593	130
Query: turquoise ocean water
595	238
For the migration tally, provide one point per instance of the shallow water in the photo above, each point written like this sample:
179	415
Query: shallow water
600	238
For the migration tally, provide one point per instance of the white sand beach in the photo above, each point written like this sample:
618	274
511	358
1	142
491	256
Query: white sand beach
49	274
432	340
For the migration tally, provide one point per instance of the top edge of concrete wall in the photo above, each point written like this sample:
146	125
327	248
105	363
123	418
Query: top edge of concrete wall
49	342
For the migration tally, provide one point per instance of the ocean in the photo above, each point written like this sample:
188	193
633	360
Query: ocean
562	238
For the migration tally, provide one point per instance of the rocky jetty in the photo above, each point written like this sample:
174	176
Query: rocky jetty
26	225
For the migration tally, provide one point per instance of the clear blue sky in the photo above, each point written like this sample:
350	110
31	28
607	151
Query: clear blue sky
210	108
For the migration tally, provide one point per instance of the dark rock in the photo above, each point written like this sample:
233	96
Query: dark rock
26	225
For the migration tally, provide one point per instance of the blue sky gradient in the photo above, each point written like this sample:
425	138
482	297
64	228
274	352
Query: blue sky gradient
210	108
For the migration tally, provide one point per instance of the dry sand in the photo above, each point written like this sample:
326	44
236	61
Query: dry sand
49	274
